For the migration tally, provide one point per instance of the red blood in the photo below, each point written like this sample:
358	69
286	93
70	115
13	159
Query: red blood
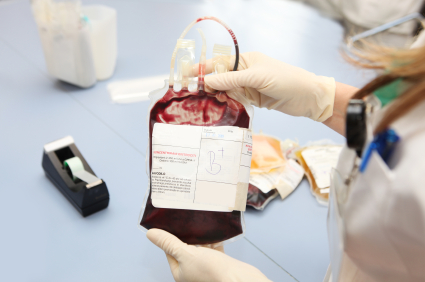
202	109
257	199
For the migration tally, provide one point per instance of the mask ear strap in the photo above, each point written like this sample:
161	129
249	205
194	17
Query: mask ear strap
173	57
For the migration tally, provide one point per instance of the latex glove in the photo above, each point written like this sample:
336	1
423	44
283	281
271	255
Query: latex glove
272	84
190	263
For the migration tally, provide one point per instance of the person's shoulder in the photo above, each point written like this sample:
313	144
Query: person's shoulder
408	160
412	124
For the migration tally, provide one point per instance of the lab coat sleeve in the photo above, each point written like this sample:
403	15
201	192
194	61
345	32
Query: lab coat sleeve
370	13
405	211
384	217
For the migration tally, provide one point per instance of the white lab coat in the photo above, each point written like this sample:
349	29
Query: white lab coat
370	13
376	224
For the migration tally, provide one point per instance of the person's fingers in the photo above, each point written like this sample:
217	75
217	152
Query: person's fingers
209	65
169	243
219	248
209	89
208	68
230	80
174	266
245	60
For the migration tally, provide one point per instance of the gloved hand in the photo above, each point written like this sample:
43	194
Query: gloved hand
189	263
273	84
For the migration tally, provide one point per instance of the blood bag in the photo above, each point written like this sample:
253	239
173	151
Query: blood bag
318	162
267	154
198	159
257	199
273	173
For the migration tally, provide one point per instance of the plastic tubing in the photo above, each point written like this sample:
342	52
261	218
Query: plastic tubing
202	61
201	73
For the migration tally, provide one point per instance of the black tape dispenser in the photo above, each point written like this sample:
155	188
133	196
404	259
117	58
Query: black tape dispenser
66	167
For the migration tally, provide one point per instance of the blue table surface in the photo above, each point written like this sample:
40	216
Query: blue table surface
44	238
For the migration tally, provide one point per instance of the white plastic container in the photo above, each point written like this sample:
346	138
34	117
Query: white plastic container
79	43
102	22
68	55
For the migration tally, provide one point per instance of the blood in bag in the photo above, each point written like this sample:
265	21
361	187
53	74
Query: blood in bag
198	109
257	199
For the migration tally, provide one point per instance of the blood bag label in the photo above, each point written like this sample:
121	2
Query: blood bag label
265	181
320	160
293	173
196	167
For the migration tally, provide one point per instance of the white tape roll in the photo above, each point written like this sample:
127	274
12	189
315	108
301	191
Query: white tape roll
77	170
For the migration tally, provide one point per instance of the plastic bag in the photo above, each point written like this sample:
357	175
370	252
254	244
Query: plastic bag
257	199
318	158
267	154
198	109
272	174
221	55
195	108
